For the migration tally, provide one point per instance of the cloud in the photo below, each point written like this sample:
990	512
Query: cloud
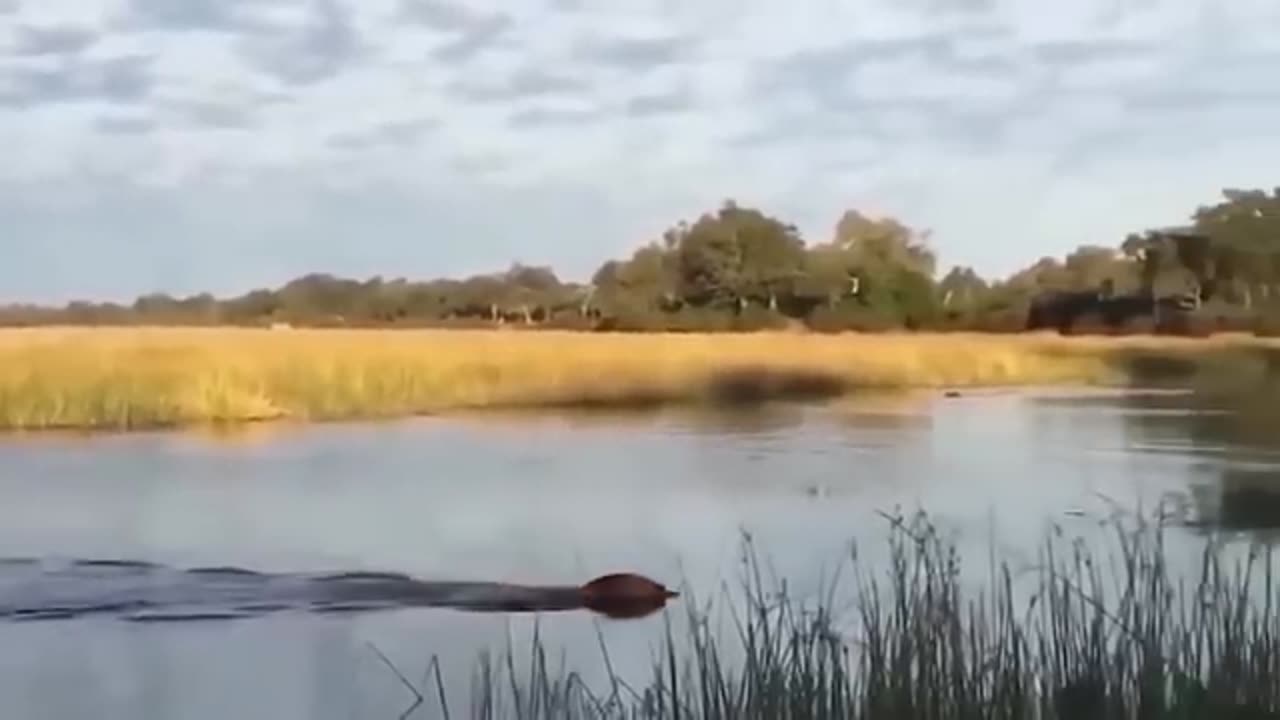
394	134
469	31
445	15
315	47
441	136
520	84
52	40
124	124
125	78
634	53
214	115
1069	53
296	42
677	99
191	15
542	117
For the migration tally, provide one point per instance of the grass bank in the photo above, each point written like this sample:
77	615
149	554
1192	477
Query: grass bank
1074	636
122	378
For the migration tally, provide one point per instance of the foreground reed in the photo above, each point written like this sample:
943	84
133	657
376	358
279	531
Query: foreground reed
1070	638
122	378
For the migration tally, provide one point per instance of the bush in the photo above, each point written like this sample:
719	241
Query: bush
755	318
850	316
699	319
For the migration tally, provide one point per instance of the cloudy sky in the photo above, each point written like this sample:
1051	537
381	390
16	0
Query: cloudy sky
185	145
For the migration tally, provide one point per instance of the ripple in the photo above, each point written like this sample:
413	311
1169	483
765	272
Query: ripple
224	570
365	576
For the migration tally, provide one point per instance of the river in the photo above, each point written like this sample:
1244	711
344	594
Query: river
552	498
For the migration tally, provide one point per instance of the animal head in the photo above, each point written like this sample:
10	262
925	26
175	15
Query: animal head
625	595
619	585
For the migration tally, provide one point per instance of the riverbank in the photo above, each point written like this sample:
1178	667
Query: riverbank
136	378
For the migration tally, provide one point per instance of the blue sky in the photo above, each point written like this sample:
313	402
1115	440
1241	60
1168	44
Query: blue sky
184	145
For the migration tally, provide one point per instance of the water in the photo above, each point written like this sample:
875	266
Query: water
553	499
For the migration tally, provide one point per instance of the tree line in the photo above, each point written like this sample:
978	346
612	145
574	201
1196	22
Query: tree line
739	268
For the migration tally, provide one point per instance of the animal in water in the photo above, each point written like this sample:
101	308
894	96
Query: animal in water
624	595
141	591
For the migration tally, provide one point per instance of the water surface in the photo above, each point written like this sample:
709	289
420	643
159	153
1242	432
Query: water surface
554	499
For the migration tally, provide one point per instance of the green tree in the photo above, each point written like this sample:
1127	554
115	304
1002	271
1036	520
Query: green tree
894	266
734	256
640	285
962	290
772	256
875	244
1090	267
709	257
1243	232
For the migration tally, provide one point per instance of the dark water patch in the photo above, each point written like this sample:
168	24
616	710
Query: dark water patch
114	564
754	386
736	387
1241	500
72	609
1154	367
38	614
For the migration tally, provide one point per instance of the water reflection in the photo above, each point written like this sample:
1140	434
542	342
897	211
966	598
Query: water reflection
1236	445
861	409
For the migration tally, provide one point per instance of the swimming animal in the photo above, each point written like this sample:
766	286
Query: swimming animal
147	592
625	595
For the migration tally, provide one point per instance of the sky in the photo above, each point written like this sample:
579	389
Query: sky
222	145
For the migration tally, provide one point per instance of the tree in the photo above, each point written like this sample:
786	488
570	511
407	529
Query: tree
644	283
1089	267
962	289
770	252
884	243
1243	238
531	290
734	256
830	272
710	262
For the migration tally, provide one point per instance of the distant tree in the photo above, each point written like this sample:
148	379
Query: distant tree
1090	267
741	268
884	243
710	259
962	290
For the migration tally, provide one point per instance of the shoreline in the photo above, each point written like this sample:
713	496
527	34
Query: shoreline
70	379
869	401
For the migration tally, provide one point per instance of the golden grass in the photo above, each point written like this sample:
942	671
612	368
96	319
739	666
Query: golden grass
121	378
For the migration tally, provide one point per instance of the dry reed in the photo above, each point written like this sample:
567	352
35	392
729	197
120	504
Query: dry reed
122	378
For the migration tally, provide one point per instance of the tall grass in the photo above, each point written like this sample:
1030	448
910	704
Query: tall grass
1070	637
121	378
